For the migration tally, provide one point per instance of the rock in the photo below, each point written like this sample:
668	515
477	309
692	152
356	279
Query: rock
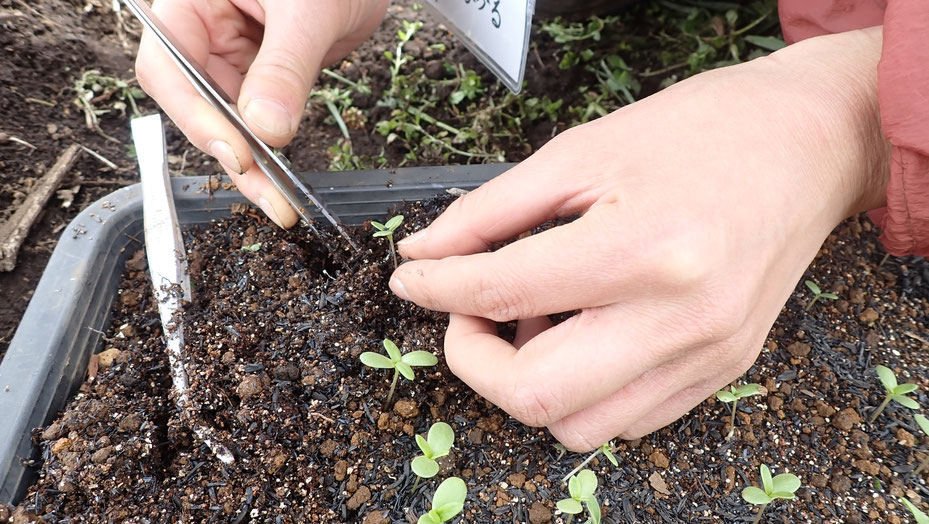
228	358
328	448
4	513
840	484
288	372
249	387
106	358
868	316
52	432
867	466
476	435
539	514
659	459
23	516
130	423
658	484
775	402
406	408
516	480
100	456
383	421
341	467
906	438
61	444
376	516
278	459
362	495
799	349
818	481
846	419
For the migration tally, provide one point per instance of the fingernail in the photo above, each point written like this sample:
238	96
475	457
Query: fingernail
414	238
396	285
224	153
269	210
270	116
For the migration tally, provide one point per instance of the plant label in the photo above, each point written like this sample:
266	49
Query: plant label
496	31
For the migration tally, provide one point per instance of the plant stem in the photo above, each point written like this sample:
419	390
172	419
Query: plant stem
808	306
760	512
393	252
334	111
570	518
393	386
879	409
586	461
735	407
415	484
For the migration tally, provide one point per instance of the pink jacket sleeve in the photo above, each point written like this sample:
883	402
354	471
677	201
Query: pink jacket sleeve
903	95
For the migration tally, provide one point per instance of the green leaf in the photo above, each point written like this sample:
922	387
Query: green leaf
451	491
725	396
588	483
830	296
903	389
392	350
593	507
569	506
252	248
377	225
406	371
770	43
786	482
441	436
766	480
456	97
394	222
424	446
376	360
420	358
754	495
609	455
921	518
428	519
923	423
905	401
424	467
385	233
448	511
887	377
782	495
574	487
813	287
747	390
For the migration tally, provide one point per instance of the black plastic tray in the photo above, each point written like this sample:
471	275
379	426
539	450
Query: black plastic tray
63	325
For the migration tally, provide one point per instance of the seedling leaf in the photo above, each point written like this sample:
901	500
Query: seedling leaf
921	518
440	439
747	390
923	423
810	284
405	370
424	467
887	377
609	455
377	225
725	396
393	351
754	495
448	511
905	401
786	482
420	358
427	519
424	446
450	491
382	233
570	506
394	222
593	507
903	389
766	480
376	360
587	481
782	495
830	296
574	487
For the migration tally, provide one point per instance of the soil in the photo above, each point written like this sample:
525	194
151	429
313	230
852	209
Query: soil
273	338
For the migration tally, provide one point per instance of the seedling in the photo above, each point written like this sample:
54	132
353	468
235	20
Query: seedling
606	449
923	423
732	397
817	293
387	230
921	518
447	502
782	486
437	444
400	363
252	247
895	392
581	487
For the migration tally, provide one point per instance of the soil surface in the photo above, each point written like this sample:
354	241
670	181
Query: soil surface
273	336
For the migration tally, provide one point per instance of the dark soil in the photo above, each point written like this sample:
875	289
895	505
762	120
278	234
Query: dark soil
274	337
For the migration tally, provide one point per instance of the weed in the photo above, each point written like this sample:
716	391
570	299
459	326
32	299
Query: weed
99	94
447	502
894	391
606	449
732	397
437	444
387	230
817	294
581	487
400	363
782	486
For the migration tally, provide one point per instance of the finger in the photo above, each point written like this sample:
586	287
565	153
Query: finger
529	328
256	187
543	187
275	89
558	270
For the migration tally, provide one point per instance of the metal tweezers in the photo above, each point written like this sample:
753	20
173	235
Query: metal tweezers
272	164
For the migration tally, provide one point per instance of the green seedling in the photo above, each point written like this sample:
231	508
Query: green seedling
581	487
400	363
782	486
732	397
817	294
387	230
437	444
894	391
923	423
921	518
447	502
606	449
252	247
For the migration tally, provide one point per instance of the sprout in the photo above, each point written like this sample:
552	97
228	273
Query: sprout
817	294
387	230
253	247
447	502
606	449
582	488
782	486
895	392
921	518
437	444
923	423
401	364
732	397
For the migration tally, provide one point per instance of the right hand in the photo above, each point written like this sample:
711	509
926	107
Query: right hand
266	54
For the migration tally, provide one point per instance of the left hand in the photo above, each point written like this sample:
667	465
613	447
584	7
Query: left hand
700	206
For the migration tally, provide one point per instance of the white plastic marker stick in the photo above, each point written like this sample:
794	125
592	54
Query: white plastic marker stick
496	31
167	263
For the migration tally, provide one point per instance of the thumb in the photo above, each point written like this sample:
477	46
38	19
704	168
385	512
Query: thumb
296	38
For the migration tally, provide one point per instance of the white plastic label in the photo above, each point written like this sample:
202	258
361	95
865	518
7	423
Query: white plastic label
496	31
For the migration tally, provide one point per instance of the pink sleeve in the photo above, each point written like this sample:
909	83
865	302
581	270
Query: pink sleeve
903	94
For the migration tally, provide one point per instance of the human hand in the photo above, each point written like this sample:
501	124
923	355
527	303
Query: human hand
700	207
266	55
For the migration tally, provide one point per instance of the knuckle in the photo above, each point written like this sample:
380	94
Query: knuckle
286	69
496	302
